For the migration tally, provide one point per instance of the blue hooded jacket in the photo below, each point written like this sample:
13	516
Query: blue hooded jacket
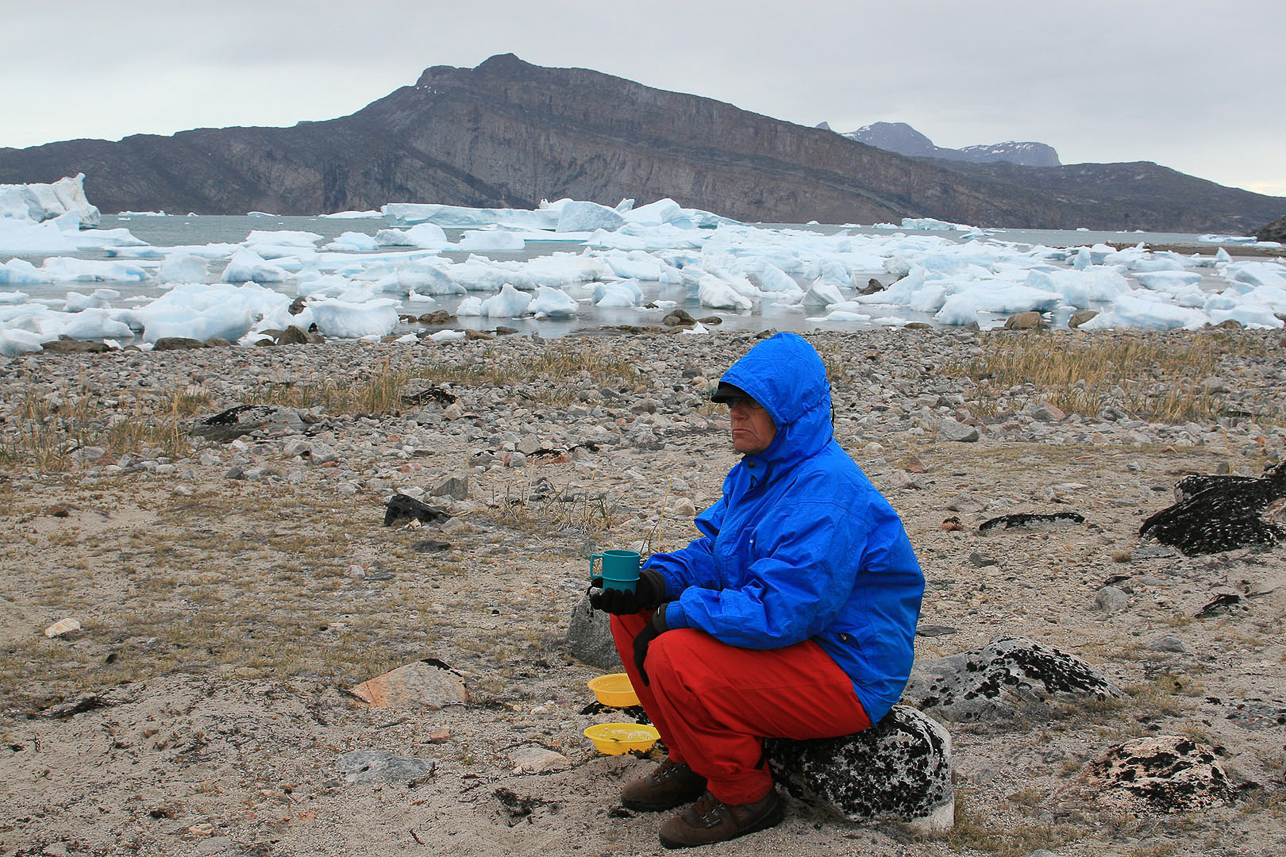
801	545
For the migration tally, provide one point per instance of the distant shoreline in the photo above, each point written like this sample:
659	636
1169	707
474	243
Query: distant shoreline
1232	249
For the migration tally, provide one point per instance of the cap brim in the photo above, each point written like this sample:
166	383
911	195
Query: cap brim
728	393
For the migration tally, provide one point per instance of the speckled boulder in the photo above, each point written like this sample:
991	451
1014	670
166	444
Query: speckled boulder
898	770
1008	679
1162	773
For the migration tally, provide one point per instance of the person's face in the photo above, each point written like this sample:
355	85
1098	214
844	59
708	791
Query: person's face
752	427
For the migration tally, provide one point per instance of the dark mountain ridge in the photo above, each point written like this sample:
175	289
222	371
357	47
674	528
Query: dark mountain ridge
902	138
508	133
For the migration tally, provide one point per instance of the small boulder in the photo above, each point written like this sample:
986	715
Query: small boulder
1080	317
1008	679
1161	773
1109	599
424	684
241	420
898	770
534	759
952	430
404	508
1026	321
455	486
177	343
589	637
374	766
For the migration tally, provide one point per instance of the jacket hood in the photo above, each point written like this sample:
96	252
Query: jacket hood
786	375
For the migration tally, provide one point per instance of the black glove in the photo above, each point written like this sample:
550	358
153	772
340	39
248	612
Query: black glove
654	628
648	592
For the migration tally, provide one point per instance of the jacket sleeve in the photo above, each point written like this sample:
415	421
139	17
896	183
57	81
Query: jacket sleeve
693	565
802	566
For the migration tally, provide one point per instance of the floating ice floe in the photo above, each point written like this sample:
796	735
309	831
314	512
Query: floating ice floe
624	259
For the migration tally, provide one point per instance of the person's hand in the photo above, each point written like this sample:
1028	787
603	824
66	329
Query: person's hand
655	627
648	592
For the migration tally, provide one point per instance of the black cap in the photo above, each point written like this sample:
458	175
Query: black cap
729	393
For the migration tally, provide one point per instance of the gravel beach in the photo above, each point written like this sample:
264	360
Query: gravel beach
232	587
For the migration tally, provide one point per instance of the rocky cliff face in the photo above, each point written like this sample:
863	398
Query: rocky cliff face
1275	231
508	133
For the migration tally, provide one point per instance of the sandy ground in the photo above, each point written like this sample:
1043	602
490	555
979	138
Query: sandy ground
204	706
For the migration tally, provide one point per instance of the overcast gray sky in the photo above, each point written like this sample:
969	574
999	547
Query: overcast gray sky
1191	85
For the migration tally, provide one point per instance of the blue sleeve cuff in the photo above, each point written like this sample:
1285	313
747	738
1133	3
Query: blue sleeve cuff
675	617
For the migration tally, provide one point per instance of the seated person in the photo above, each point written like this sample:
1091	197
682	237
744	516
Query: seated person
793	616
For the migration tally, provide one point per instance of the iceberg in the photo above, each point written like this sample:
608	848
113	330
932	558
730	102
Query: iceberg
715	293
248	266
484	240
41	202
552	303
349	320
588	217
459	217
510	303
624	293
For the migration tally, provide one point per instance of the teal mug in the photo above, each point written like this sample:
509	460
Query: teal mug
618	569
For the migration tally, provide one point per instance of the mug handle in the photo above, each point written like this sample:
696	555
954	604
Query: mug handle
592	557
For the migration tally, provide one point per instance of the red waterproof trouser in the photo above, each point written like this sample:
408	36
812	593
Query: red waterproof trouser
713	703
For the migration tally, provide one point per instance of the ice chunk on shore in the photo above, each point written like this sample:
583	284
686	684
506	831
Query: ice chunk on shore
717	294
993	296
348	320
552	303
510	303
1147	312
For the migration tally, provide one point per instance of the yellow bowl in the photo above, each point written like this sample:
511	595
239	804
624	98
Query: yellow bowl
614	690
615	739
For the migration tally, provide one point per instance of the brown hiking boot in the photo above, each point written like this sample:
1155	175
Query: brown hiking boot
669	785
711	820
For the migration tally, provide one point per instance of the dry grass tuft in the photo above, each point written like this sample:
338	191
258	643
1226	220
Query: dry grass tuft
1150	376
973	832
50	429
381	392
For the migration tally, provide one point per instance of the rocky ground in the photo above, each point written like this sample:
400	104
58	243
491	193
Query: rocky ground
232	590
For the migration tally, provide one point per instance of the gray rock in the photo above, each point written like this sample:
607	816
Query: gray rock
372	766
455	486
949	429
1167	643
1030	320
1047	413
1007	679
898	770
980	560
1109	599
533	759
589	637
422	684
1080	317
244	419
